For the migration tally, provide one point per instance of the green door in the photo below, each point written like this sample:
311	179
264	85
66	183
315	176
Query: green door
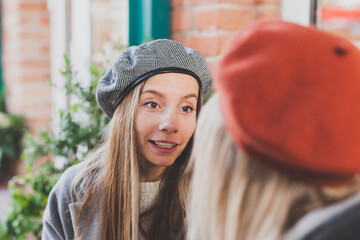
148	20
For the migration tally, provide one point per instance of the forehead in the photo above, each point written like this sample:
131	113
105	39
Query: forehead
172	83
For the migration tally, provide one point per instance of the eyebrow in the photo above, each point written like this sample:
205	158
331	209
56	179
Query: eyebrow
192	95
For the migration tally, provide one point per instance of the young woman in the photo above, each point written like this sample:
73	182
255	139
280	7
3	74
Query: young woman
279	138
129	187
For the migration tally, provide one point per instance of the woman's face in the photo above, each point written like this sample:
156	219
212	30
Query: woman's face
166	117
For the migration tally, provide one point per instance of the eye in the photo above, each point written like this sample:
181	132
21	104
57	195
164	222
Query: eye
187	109
152	105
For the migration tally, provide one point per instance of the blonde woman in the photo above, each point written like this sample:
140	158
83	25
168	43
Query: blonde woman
129	187
276	152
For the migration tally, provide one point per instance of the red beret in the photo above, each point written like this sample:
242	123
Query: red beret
290	97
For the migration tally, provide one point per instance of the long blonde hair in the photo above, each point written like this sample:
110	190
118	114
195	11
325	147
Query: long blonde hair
234	197
112	174
109	184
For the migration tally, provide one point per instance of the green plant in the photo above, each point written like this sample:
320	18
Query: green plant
12	128
208	96
2	99
80	128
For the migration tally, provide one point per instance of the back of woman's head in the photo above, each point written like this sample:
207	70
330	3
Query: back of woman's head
233	196
267	149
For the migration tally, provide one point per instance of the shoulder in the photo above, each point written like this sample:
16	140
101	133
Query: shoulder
67	177
60	194
57	215
337	221
63	185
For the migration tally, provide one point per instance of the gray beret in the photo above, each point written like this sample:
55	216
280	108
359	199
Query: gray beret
138	63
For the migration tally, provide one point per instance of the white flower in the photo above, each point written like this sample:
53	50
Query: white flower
4	120
60	161
81	152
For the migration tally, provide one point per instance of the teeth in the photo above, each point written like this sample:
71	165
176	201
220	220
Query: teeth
164	145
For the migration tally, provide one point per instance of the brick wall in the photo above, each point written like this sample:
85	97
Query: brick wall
26	59
207	25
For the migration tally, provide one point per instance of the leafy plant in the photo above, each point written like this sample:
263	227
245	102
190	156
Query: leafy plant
2	99
80	128
12	128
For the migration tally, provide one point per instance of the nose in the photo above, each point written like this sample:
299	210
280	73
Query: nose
168	121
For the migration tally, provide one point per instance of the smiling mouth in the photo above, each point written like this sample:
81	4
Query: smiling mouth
164	145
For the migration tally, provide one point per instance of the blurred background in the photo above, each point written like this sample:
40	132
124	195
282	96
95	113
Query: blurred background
54	51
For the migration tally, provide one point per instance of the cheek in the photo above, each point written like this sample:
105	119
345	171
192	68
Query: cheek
144	125
189	127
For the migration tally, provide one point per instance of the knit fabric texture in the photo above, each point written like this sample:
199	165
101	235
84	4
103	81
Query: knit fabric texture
148	194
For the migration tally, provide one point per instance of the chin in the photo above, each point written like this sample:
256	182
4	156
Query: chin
161	160
163	163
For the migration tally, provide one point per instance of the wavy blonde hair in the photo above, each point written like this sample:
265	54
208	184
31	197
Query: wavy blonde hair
234	197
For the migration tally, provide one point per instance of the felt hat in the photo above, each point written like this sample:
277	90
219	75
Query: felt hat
290	98
138	63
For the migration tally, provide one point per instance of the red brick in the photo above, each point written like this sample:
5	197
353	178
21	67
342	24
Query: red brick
38	113
267	1
38	93
36	124
177	3
267	13
5	36
32	6
179	38
42	105
21	167
207	19
234	19
34	64
35	35
39	104
195	2
239	2
181	20
16	59
224	39
38	98
212	64
226	19
207	45
45	49
42	71
33	121
31	78
31	43
45	20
